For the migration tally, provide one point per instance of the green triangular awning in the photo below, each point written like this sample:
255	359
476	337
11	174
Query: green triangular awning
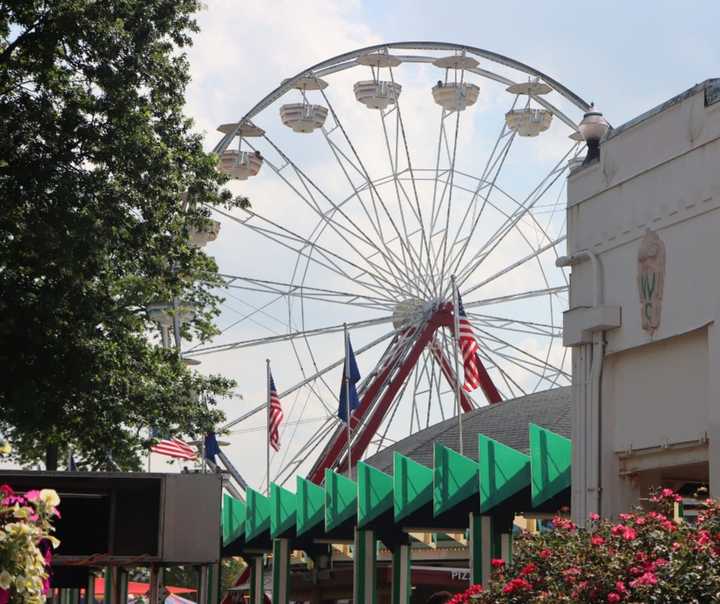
282	510
375	493
455	478
412	486
550	459
258	515
310	505
233	518
504	471
340	499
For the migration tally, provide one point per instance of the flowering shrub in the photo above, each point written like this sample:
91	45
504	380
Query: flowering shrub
26	543
644	557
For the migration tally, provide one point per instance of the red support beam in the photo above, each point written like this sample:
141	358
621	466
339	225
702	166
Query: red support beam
441	317
338	442
364	433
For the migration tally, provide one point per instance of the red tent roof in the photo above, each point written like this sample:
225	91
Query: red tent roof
135	588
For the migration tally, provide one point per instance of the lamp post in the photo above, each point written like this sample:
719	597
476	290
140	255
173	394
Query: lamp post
593	128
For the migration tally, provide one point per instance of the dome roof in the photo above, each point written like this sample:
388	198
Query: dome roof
506	422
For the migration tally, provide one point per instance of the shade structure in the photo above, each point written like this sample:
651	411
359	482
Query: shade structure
137	588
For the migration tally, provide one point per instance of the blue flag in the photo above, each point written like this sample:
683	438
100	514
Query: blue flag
211	447
350	370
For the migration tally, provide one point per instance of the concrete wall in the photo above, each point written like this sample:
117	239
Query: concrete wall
660	391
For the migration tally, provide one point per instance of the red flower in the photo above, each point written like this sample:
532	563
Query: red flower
614	597
545	553
529	569
497	563
597	540
516	585
594	517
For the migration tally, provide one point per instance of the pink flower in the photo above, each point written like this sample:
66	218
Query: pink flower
644	579
594	517
614	597
629	534
33	495
620	587
545	553
597	540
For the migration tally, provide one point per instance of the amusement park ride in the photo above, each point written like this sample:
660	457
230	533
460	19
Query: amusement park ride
386	222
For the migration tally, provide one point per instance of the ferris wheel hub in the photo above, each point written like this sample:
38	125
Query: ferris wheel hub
411	311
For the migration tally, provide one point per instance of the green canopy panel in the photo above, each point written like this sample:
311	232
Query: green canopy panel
375	493
550	459
455	478
504	471
310	501
258	515
412	486
233	518
340	499
282	510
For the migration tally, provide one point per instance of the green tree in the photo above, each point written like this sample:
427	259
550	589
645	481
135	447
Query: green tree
101	179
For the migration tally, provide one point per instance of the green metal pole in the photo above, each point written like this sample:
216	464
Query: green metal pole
484	546
365	567
281	571
257	583
401	574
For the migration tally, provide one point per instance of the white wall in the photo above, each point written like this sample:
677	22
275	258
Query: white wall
660	389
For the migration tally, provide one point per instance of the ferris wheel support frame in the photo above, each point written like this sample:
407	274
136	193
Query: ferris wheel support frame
334	454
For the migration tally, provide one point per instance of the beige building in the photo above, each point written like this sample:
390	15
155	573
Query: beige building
644	318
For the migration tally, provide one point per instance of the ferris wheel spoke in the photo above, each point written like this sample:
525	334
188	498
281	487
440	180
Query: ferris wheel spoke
303	454
348	234
399	188
314	293
376	199
532	256
517	325
497	237
333	260
526	357
493	166
291	336
307	380
549	291
425	243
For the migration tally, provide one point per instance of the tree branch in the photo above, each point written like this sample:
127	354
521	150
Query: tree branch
5	55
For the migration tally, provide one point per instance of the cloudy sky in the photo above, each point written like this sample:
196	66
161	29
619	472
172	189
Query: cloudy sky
626	57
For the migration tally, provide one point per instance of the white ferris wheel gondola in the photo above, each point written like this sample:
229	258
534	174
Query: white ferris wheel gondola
376	94
455	96
528	121
236	163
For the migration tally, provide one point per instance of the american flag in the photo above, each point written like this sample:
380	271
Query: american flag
174	447
469	347
275	417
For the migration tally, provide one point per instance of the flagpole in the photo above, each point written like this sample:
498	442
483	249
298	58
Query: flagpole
347	398
267	431
456	339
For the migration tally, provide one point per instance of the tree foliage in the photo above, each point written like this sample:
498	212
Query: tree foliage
101	178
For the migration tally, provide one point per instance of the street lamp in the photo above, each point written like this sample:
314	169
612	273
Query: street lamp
593	128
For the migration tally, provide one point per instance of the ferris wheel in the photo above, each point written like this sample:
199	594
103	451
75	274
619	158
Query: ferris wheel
379	178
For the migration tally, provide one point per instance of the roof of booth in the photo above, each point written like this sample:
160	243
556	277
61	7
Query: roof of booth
506	422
